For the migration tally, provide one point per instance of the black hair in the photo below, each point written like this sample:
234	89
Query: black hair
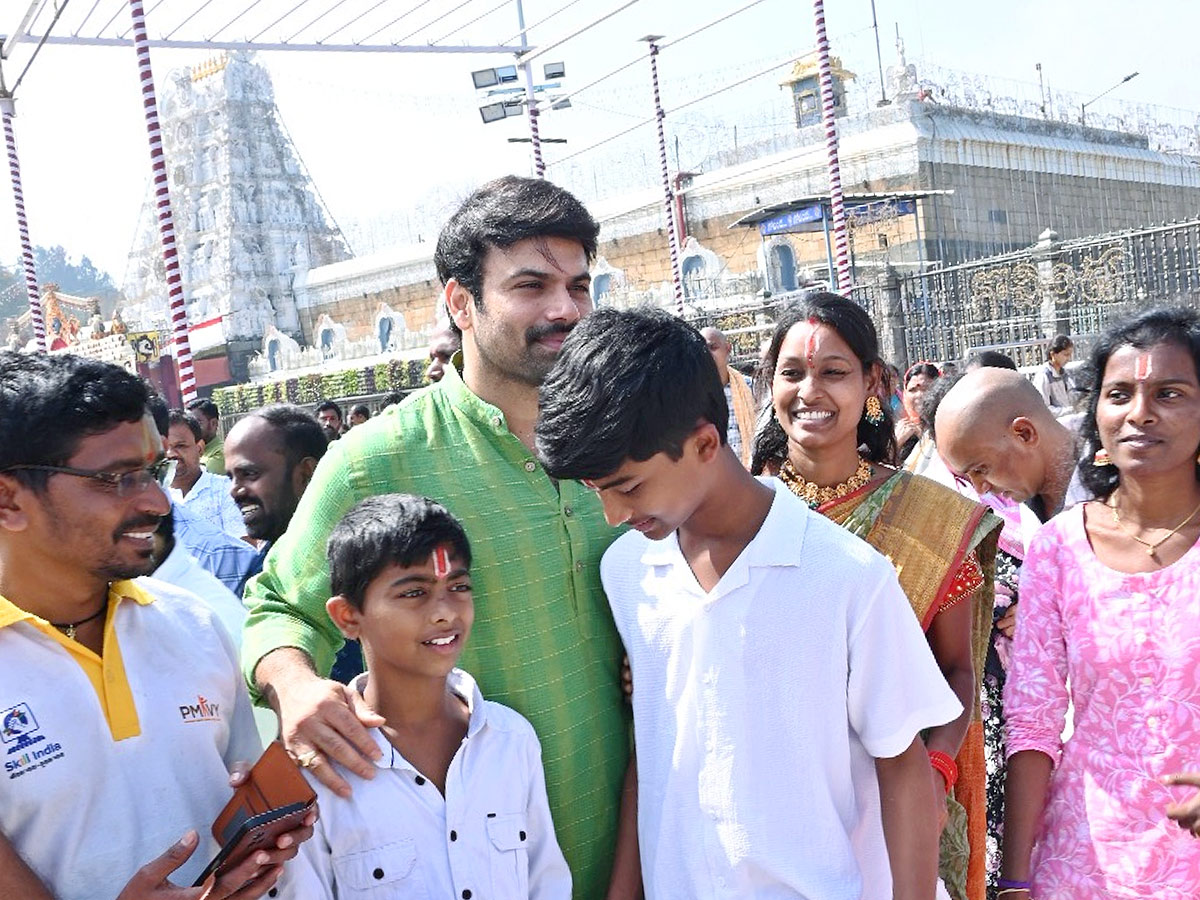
628	384
1060	343
992	359
927	369
329	404
501	213
1175	325
204	405
300	434
853	325
384	530
932	400
179	417
161	412
390	399
361	409
48	404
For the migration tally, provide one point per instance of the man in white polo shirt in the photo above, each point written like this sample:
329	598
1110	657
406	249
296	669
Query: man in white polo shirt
121	708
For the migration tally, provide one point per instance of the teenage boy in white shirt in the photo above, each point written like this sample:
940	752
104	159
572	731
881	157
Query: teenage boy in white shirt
781	681
458	808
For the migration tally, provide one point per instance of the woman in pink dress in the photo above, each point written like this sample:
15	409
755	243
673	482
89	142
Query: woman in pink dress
1110	620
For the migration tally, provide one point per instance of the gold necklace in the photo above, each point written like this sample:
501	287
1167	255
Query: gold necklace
815	495
1150	548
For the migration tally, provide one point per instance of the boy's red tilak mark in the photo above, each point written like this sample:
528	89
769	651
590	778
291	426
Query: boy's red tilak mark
441	562
1143	368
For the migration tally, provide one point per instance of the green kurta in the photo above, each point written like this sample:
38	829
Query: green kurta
213	456
543	642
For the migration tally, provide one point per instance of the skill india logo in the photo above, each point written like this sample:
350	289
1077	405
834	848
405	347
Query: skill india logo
18	728
201	711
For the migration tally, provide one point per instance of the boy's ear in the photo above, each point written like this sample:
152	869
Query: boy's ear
707	441
344	615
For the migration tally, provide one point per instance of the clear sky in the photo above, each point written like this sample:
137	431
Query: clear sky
392	141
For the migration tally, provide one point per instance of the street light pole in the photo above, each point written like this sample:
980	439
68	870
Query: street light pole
539	166
1083	106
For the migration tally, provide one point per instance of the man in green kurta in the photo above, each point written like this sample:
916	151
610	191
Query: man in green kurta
514	260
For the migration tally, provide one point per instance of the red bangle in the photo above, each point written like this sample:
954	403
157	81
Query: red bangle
946	767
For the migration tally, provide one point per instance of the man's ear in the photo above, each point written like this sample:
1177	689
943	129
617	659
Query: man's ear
302	474
458	304
13	497
1025	431
344	616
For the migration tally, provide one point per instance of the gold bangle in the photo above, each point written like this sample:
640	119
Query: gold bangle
1012	891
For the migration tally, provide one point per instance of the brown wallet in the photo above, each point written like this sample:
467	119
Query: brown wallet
274	798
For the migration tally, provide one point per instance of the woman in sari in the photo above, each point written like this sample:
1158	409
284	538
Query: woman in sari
1109	621
830	440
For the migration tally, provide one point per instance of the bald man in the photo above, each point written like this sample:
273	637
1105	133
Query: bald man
993	428
738	396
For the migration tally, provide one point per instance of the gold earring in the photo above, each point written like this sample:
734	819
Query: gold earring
1102	458
874	411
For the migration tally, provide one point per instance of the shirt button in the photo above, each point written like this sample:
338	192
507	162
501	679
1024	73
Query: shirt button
522	835
1141	637
454	835
420	780
568	511
1147	680
578	567
466	895
1152	721
497	421
378	874
530	465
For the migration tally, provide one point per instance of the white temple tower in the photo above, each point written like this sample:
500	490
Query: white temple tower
246	215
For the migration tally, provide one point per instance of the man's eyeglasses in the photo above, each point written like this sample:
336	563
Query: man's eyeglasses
161	473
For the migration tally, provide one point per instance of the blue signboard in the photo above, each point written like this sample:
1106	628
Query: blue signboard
807	218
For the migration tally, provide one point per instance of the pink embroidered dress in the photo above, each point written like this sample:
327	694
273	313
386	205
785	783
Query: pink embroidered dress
1130	647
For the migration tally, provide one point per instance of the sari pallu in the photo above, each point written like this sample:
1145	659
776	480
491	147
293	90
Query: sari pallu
938	542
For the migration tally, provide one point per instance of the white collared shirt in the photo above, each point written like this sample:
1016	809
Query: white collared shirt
760	707
209	499
490	837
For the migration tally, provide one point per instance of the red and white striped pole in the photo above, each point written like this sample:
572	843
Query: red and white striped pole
668	193
7	111
162	196
841	243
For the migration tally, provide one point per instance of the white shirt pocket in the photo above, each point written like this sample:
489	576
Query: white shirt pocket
509	835
386	871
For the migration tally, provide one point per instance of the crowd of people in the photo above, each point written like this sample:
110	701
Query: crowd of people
596	614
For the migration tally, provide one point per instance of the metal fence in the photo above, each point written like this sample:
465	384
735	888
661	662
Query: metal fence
1018	301
1015	303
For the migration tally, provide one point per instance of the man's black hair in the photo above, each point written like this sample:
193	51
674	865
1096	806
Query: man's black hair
361	409
179	417
501	213
329	404
992	359
391	398
204	405
1177	325
384	530
299	433
48	404
627	385
161	412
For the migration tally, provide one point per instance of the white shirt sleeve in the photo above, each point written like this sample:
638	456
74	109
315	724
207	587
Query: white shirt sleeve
549	877
244	743
895	687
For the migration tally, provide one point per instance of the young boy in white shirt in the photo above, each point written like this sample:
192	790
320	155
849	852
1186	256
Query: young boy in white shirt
780	679
458	805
